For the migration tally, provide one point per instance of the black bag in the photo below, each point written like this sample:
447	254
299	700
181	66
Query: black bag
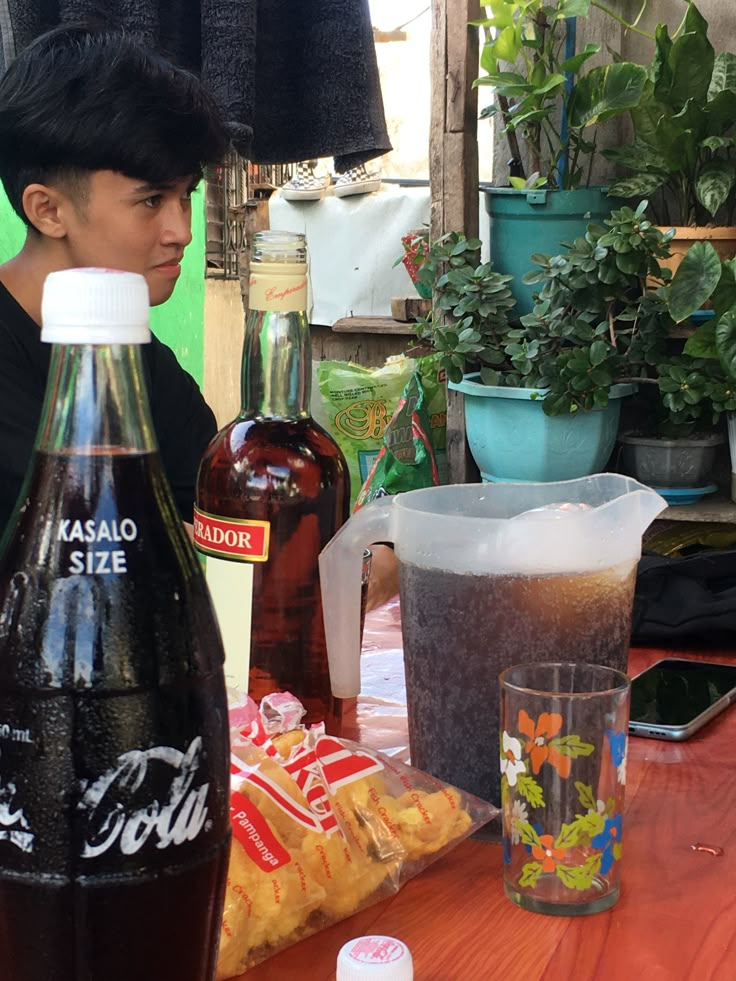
686	600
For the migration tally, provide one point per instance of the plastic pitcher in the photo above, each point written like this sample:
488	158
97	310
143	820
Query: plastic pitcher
490	575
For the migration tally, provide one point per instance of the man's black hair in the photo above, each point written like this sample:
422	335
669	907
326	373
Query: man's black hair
80	99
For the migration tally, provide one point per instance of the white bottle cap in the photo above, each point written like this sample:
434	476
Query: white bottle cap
95	306
376	958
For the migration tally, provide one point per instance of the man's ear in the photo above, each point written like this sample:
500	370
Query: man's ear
46	208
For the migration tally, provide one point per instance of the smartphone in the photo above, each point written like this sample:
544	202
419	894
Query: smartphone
674	697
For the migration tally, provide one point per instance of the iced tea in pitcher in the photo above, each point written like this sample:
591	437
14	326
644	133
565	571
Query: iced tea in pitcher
461	631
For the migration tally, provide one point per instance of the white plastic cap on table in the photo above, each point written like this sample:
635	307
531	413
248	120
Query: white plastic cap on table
375	958
95	306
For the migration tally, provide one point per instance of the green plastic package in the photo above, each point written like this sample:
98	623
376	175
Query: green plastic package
355	404
406	460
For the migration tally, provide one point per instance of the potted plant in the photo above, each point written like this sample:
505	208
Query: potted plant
542	398
682	157
549	106
674	448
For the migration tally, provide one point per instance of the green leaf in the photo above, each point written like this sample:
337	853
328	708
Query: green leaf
715	143
660	71
695	280
506	45
724	296
581	876
551	82
677	137
489	376
592	823
599	351
691	62
724	75
527	834
605	92
572	746
530	872
528	788
514	79
608	275
577	61
572	8
638	186
694	22
570	834
528	117
714	184
702	344
726	342
628	262
638	156
720	113
577	876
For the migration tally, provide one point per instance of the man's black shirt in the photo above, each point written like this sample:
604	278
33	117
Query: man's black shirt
183	421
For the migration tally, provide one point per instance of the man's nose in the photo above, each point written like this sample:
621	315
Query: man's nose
177	226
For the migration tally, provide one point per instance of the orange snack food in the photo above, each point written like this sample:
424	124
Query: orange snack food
322	828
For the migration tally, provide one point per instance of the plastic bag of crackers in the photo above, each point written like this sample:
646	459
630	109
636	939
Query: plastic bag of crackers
322	827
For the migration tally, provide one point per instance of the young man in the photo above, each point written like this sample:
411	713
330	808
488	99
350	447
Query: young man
101	146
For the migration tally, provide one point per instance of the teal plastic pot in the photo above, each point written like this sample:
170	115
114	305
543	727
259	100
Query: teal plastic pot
525	222
511	438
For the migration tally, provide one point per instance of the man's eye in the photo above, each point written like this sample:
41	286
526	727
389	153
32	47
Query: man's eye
154	201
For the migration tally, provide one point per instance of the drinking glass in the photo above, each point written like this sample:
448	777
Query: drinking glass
563	775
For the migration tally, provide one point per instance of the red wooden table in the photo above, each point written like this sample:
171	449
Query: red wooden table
675	919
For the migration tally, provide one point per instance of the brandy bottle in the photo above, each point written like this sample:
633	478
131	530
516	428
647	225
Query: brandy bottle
272	490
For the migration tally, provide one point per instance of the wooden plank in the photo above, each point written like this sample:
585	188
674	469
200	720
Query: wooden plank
460	212
438	79
371	325
407	308
453	165
461	112
369	350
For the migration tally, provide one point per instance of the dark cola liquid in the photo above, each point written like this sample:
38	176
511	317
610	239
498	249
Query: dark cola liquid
292	475
461	631
114	824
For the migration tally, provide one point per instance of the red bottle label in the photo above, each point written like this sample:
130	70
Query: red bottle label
231	538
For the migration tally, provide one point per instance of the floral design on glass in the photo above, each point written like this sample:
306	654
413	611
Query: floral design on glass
588	845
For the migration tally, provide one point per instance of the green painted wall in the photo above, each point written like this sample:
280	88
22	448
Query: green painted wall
180	321
12	230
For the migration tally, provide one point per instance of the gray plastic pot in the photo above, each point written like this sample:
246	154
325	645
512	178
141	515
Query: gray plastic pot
683	462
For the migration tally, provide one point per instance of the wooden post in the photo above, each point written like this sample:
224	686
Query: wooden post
453	166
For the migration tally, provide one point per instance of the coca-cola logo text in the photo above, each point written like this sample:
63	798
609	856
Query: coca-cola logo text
125	806
14	826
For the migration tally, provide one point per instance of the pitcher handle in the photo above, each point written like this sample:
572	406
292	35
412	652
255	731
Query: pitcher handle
340	564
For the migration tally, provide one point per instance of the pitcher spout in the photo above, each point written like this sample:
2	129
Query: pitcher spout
651	505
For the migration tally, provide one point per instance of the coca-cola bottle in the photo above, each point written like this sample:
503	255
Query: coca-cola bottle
272	489
114	759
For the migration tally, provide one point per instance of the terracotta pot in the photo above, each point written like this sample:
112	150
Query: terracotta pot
721	237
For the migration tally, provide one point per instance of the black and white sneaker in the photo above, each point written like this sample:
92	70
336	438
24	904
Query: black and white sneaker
306	184
357	180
